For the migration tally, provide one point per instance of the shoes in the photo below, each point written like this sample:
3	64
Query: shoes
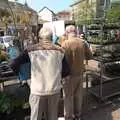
23	84
77	118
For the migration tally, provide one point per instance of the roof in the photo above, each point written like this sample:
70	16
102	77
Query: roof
21	6
48	9
76	3
64	13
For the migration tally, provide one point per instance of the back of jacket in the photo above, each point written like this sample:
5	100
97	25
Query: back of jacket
46	66
75	54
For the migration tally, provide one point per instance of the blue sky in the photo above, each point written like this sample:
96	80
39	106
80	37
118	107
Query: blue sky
55	5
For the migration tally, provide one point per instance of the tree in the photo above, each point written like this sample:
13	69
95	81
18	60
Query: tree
25	18
4	14
113	14
86	12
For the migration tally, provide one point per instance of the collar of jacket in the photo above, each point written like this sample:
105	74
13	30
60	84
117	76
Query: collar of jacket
45	45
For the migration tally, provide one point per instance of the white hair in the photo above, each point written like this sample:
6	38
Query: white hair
45	33
71	30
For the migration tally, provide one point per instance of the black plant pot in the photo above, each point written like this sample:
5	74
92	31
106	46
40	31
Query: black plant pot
1	116
6	117
18	114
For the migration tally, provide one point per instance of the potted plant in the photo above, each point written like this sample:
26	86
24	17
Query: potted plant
11	107
3	55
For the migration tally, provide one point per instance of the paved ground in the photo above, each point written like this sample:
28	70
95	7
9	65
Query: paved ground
92	110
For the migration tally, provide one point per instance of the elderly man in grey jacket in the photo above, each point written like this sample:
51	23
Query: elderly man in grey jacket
46	66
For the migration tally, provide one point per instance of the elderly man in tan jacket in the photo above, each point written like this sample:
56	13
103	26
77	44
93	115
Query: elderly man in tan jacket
75	51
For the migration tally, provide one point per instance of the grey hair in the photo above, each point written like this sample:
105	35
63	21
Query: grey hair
45	33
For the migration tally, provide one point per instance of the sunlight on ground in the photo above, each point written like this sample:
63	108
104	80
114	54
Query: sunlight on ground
61	118
116	114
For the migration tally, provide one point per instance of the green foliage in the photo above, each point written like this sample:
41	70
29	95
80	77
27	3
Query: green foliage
100	40
113	14
8	103
85	12
3	56
4	13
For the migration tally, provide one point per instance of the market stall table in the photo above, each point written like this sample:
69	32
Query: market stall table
6	74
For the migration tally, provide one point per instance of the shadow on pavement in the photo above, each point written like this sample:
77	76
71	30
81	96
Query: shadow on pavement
90	104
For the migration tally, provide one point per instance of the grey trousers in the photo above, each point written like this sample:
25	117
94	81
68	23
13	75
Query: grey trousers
44	107
73	95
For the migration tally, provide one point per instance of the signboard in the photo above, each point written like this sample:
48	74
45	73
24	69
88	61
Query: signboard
58	27
18	26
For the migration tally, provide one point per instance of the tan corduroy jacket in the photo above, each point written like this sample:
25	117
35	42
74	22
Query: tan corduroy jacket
76	52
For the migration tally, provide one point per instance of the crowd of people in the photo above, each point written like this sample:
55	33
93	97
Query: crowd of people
55	66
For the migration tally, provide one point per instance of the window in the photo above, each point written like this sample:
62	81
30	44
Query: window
102	2
1	40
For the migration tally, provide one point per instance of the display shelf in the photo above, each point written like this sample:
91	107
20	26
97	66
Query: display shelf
106	60
110	89
104	43
6	73
107	52
107	84
4	79
106	77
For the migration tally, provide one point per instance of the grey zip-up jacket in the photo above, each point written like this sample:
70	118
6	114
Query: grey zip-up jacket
46	66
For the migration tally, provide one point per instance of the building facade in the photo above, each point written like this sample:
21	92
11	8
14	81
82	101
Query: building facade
46	15
19	14
65	15
86	10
